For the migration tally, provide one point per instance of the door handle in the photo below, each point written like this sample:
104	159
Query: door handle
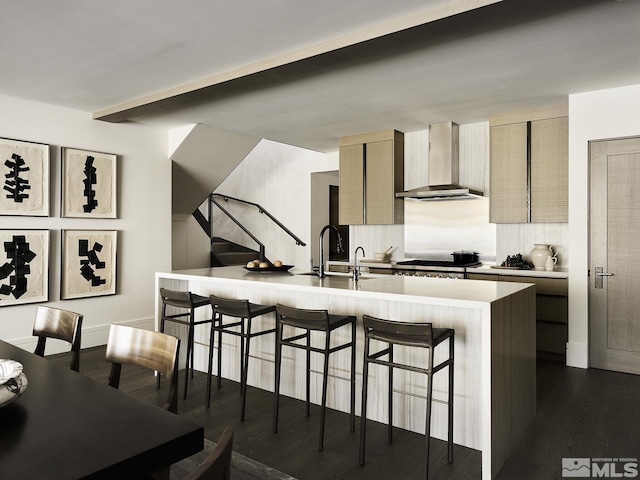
599	274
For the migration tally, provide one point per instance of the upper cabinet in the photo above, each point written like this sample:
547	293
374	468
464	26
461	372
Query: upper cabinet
529	166
371	172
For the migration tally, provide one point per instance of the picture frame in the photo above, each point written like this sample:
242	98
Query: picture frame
24	266
89	184
88	263
25	178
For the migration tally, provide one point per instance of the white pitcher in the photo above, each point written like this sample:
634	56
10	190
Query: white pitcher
550	263
538	256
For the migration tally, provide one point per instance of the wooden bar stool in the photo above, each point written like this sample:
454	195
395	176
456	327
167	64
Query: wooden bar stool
244	311
313	320
421	335
187	303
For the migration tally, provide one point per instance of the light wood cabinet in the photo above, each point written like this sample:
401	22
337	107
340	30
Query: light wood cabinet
552	311
529	166
371	172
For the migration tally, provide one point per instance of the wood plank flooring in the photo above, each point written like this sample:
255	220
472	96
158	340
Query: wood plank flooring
581	413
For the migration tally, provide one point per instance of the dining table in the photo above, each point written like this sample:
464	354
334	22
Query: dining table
66	426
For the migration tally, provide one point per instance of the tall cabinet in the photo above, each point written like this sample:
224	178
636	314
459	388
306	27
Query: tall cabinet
371	172
529	166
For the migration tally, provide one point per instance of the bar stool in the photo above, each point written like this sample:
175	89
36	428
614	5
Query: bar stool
243	310
184	301
313	320
421	335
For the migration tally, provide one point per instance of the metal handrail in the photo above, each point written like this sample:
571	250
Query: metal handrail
226	198
235	220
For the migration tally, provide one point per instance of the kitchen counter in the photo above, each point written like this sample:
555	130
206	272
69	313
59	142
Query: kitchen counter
494	392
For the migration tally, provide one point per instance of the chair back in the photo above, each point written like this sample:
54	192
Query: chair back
176	298
60	324
217	465
230	306
303	318
144	348
401	333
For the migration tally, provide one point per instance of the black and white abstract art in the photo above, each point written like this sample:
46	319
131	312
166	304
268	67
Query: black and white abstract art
25	178
24	266
88	263
89	184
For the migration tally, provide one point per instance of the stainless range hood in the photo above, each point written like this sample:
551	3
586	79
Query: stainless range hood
443	167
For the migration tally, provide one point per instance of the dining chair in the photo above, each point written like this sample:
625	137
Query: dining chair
60	324
144	348
217	465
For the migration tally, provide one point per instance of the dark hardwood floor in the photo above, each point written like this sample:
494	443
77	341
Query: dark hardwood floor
580	413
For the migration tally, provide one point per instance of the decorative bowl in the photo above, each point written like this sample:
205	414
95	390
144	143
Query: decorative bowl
9	369
12	389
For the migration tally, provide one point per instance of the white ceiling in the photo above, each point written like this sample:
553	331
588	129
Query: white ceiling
92	56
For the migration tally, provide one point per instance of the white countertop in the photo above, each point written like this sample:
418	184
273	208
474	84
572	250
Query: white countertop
442	291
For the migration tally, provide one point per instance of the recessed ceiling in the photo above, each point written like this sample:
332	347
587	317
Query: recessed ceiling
94	56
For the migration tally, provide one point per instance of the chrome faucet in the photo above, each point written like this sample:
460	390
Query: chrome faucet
338	247
356	271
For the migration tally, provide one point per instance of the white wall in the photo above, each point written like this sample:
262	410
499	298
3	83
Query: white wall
592	116
144	241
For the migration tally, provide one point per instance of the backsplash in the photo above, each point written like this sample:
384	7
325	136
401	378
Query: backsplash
520	237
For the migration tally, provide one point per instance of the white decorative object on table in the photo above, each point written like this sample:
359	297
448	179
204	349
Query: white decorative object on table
13	382
538	256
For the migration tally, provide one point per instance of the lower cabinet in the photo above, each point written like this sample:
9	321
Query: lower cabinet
552	312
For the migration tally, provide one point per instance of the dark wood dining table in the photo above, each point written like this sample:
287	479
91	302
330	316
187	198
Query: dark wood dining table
67	426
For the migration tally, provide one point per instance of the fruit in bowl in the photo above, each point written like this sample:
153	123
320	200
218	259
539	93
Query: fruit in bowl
516	261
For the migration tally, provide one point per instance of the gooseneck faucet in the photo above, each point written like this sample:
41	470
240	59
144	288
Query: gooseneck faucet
338	247
356	272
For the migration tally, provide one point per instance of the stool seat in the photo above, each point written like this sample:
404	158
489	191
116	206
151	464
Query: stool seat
413	335
320	321
245	312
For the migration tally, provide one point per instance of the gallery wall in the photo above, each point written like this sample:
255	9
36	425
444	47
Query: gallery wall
144	233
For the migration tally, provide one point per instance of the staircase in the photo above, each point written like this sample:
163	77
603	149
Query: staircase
224	252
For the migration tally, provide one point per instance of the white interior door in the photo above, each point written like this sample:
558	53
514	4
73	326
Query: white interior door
614	283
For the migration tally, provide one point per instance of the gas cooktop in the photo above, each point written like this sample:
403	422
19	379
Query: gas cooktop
438	263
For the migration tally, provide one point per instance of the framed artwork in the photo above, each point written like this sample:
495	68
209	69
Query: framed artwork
89	184
25	178
88	263
24	266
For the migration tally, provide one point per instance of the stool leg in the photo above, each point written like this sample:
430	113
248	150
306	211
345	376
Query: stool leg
325	374
450	437
276	387
352	424
246	370
428	415
189	356
242	343
219	379
210	365
363	410
390	393
164	312
308	373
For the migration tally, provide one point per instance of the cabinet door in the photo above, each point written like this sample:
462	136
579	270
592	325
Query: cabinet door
550	170
379	183
509	183
351	211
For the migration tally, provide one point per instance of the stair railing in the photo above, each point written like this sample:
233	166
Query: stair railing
207	223
260	208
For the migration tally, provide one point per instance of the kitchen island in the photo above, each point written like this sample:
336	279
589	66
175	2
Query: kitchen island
495	350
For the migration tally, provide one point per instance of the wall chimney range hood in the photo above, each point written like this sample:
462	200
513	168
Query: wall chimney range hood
443	167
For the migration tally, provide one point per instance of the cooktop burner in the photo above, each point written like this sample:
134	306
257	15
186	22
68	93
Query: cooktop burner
438	263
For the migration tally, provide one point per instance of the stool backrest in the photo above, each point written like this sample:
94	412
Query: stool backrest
303	318
144	348
60	324
403	333
175	298
230	306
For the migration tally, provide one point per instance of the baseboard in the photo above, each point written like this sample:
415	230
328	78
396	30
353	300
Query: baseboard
91	337
577	355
